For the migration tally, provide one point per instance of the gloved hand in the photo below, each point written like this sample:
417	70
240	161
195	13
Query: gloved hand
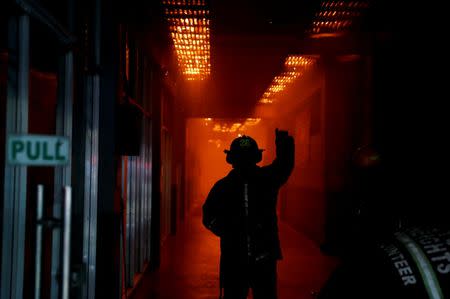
284	142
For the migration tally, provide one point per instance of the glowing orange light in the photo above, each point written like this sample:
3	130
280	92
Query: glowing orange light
252	121
226	127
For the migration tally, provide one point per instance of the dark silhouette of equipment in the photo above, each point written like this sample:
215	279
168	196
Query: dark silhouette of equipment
413	263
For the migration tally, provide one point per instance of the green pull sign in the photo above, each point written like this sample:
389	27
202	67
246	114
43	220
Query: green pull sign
37	150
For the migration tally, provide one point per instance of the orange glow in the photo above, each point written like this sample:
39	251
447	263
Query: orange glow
189	29
252	121
225	127
295	66
205	159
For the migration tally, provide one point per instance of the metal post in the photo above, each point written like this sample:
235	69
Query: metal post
66	241
123	252
39	217
91	184
150	191
132	219
62	173
141	208
145	185
128	231
91	161
15	186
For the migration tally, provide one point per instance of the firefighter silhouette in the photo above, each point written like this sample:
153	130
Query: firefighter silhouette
241	210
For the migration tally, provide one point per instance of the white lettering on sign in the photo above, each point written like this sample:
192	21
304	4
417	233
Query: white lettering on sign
405	271
443	268
37	150
436	245
400	263
435	248
426	270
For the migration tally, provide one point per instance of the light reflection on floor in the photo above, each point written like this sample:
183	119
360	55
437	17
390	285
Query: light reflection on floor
189	266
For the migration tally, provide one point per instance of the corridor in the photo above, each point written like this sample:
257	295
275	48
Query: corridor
189	266
117	118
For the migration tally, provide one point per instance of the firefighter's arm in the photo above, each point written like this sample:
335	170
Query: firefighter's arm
285	156
212	212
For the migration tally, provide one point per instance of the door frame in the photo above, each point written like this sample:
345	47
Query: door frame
15	178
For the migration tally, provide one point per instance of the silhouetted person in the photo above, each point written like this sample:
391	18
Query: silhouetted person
241	210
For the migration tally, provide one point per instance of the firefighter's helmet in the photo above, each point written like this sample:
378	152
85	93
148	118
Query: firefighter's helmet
244	150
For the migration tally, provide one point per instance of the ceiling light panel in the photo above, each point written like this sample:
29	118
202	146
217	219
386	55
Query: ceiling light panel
189	25
295	66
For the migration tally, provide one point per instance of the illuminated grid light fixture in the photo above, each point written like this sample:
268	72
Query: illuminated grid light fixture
295	66
189	27
336	17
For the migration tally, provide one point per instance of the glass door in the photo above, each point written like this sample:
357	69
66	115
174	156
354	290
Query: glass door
36	67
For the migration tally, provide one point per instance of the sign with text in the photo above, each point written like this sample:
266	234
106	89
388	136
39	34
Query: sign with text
37	150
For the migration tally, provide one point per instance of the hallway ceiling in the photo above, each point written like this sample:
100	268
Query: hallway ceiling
251	39
249	42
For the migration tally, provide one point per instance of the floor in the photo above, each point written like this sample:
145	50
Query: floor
189	266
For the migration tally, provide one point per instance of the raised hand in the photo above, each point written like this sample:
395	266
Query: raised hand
280	134
283	141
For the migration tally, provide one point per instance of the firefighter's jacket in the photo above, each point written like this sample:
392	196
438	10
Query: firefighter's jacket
241	210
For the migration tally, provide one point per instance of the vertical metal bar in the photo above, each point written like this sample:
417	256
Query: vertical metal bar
145	185
150	190
58	197
128	224
123	250
122	233
132	218
136	215
141	200
91	186
94	189
138	182
142	187
87	178
38	262
9	188
144	158
149	186
66	241
91	170
62	173
21	178
144	193
138	212
14	205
